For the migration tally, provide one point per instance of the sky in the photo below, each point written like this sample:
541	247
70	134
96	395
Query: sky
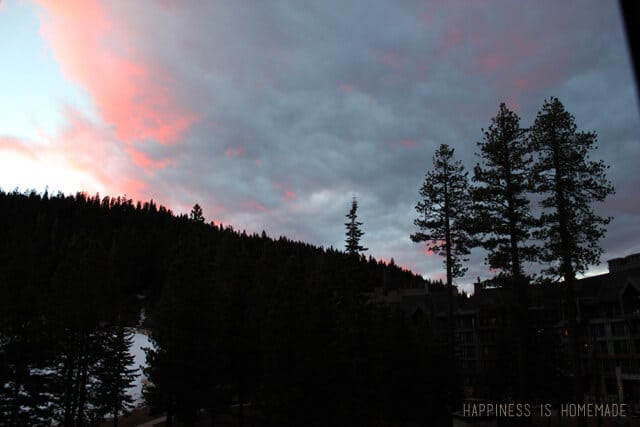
273	114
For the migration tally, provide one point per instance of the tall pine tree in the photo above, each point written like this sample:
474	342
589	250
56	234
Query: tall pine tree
501	195
503	216
444	213
569	183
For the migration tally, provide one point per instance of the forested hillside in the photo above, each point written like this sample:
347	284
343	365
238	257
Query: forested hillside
236	319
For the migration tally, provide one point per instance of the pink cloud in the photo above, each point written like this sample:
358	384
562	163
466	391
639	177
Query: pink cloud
8	143
141	159
83	156
404	143
392	59
453	37
408	143
513	58
255	206
287	193
428	252
232	152
439	277
387	262
625	205
424	250
92	149
422	70
346	88
426	20
492	62
537	79
131	94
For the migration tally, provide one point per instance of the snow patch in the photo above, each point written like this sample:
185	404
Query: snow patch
140	341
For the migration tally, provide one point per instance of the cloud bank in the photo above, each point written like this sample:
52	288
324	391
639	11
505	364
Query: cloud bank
272	116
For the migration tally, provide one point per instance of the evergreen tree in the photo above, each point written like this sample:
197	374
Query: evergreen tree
25	394
569	184
78	307
501	196
234	276
354	233
283	344
196	214
444	213
180	365
114	374
504	219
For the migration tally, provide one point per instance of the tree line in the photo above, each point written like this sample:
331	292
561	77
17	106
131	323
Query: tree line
259	328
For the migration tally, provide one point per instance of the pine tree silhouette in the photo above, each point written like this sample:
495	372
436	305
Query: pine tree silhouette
354	233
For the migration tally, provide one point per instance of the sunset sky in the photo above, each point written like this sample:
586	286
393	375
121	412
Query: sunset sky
273	114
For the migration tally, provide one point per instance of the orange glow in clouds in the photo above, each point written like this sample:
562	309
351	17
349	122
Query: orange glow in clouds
94	51
81	158
90	150
14	145
142	160
287	193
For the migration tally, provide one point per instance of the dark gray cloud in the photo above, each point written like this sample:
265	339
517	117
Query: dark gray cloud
303	105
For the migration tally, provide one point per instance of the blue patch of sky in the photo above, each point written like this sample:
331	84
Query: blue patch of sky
33	89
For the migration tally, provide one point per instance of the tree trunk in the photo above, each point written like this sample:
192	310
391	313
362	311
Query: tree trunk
115	413
169	416
448	243
519	293
566	247
81	380
449	262
15	406
69	368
